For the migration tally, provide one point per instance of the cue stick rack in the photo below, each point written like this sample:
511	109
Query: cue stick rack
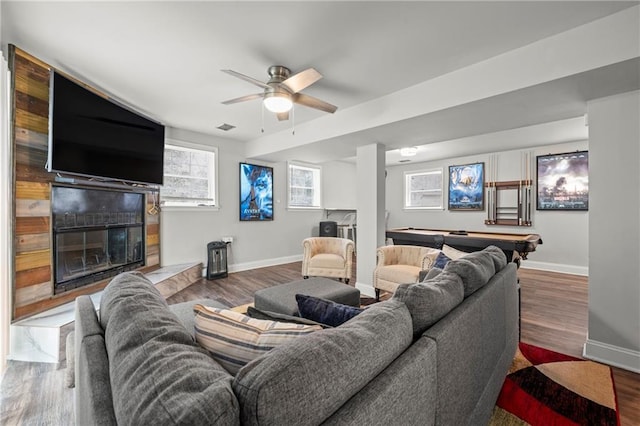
510	209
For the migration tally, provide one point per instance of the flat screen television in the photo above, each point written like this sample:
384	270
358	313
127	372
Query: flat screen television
95	137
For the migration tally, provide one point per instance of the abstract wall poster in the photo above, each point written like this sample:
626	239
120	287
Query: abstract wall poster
466	187
563	181
256	192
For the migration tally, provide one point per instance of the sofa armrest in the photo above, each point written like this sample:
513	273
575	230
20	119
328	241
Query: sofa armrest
93	399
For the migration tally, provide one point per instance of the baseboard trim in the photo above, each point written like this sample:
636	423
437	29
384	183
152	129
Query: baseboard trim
238	267
612	355
366	289
555	267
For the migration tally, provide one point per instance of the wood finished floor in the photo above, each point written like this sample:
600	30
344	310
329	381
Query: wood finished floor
554	316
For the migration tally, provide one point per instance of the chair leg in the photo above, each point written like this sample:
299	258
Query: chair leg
377	294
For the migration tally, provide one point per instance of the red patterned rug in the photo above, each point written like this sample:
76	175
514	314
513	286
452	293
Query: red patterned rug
547	388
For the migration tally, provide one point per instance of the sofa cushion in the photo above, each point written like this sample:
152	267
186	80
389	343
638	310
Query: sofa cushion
398	273
235	339
304	382
430	300
452	253
159	375
326	260
325	311
475	269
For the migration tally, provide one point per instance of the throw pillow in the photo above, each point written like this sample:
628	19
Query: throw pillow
260	314
498	256
427	274
441	260
452	253
475	269
325	311
234	339
430	300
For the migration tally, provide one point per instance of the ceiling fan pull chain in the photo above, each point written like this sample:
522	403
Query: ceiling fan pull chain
262	126
293	119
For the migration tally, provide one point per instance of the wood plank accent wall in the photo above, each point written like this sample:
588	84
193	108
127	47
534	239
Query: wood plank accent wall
32	244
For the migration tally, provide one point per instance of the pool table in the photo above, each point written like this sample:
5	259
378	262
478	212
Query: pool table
514	246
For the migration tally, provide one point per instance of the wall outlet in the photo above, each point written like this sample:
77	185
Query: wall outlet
227	239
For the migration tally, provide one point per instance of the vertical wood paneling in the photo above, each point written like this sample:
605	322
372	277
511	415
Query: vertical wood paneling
27	295
33	208
31	225
33	276
34	259
31	242
33	291
33	190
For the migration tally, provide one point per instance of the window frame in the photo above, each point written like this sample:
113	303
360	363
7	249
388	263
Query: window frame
408	174
317	188
194	147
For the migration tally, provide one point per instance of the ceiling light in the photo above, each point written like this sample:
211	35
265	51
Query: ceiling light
278	102
409	151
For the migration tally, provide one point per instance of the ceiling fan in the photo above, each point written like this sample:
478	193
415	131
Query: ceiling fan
283	90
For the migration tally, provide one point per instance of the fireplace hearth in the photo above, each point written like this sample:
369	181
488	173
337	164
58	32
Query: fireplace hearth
97	234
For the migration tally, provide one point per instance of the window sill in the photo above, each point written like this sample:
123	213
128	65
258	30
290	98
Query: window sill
189	208
304	208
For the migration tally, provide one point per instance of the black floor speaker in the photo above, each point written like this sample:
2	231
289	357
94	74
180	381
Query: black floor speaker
328	229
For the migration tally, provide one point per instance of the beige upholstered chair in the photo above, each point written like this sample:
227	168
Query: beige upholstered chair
401	264
327	257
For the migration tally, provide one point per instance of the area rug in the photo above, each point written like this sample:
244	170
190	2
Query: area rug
548	388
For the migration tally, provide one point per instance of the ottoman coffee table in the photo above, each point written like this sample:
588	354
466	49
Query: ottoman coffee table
282	298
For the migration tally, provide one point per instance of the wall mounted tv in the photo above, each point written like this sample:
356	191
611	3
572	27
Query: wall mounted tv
95	137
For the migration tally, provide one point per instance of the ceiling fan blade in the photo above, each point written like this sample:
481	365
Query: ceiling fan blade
283	116
244	98
312	102
303	79
246	78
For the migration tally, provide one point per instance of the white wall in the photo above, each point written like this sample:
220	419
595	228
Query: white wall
614	231
6	272
339	180
186	232
564	233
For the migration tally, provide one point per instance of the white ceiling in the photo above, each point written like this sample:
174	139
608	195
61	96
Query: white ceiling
164	59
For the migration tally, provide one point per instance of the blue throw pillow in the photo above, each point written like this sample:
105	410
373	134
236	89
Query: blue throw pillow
325	311
441	261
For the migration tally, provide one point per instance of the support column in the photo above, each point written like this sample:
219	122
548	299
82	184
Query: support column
370	231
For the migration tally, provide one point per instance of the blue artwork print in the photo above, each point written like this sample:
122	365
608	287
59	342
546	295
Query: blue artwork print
466	187
256	192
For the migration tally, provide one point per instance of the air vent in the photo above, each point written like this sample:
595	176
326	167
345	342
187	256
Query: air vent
225	127
404	161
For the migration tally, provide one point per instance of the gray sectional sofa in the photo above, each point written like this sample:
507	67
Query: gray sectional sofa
404	361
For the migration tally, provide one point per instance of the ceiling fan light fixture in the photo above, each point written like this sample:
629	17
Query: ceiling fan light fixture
409	151
278	102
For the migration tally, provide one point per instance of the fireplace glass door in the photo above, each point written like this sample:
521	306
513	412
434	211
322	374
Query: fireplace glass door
97	235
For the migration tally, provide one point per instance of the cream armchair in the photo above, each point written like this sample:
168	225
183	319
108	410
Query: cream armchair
401	264
327	257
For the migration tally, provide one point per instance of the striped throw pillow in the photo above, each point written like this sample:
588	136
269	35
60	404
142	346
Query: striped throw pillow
234	339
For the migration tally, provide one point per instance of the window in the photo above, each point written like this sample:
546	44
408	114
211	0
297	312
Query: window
304	186
423	190
189	177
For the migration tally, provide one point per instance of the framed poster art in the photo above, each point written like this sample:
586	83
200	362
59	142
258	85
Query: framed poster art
256	192
563	181
466	187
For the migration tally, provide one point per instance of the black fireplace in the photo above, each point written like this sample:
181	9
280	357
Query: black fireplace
97	234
